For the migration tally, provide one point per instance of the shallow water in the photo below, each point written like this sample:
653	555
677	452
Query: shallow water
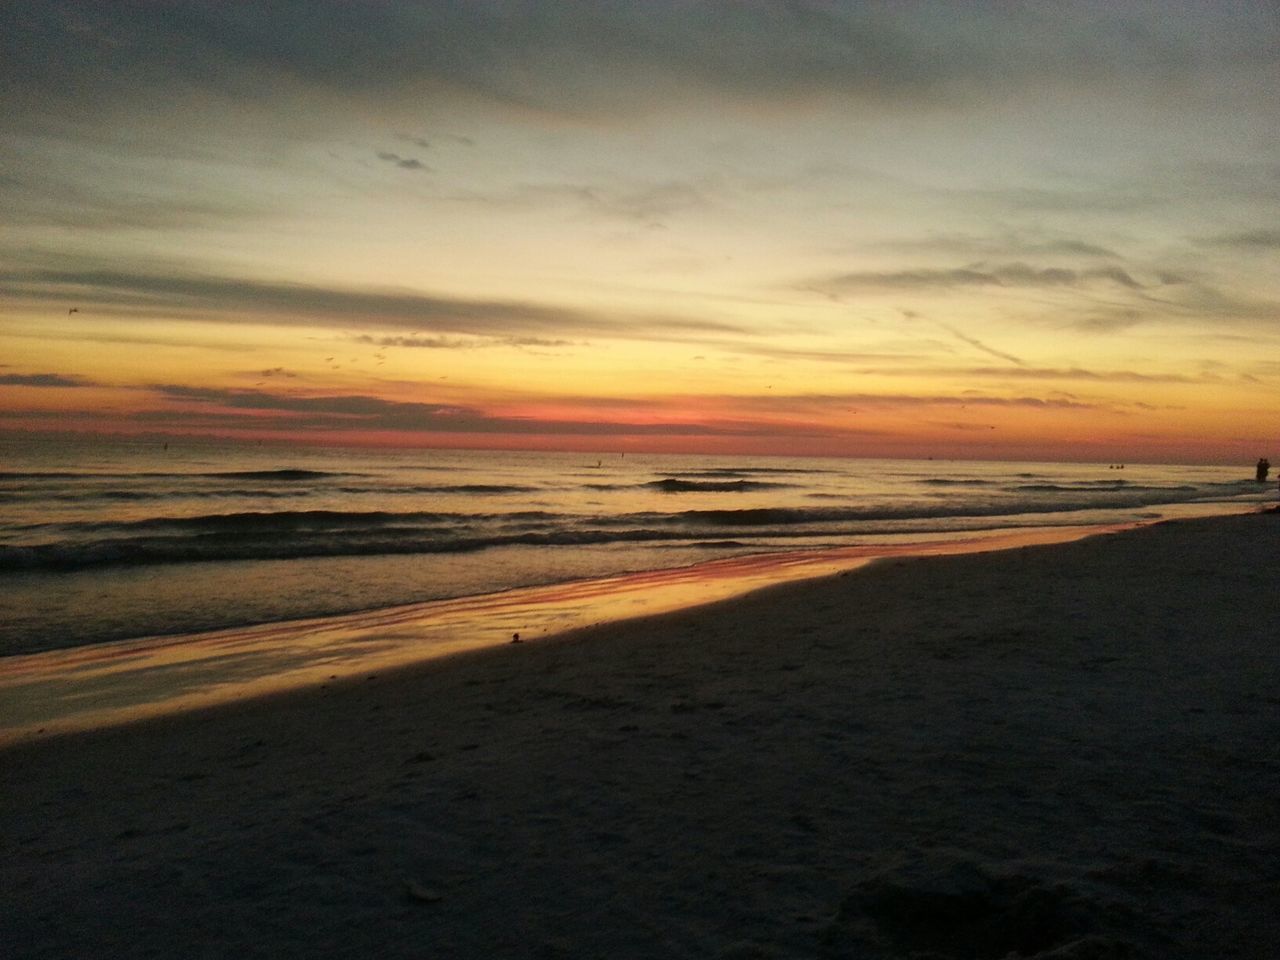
94	686
101	542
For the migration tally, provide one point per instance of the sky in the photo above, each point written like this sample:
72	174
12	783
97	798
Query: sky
1015	230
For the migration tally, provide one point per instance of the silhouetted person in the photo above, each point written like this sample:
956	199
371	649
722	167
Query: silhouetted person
1264	467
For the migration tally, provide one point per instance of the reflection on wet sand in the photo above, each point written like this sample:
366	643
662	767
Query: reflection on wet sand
87	687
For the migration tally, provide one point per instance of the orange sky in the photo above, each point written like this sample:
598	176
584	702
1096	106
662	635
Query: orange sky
1033	231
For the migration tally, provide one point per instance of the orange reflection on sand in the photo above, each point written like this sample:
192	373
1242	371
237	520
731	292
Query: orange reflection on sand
105	684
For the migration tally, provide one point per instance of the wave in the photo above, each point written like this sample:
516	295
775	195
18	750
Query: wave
282	474
679	485
762	516
130	496
264	534
676	485
266	523
729	472
464	488
210	547
285	474
1119	498
948	482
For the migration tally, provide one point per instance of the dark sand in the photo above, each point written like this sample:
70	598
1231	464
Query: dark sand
1066	751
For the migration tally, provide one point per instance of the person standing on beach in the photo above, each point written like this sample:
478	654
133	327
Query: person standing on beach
1264	467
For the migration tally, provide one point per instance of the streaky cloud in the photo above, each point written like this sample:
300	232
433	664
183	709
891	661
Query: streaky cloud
363	412
247	300
457	343
404	163
1264	239
1009	244
802	402
977	275
1197	301
978	344
581	57
43	380
1076	373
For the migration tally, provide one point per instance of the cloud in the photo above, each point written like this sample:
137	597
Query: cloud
724	415
606	57
1197	301
974	342
231	299
362	412
456	343
1008	244
42	380
404	163
1005	275
1263	239
1075	373
808	403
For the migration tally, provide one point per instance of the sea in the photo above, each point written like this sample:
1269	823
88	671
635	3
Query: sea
107	541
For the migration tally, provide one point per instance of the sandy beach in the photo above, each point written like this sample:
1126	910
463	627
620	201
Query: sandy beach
1064	751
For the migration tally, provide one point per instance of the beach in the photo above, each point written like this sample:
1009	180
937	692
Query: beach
1063	751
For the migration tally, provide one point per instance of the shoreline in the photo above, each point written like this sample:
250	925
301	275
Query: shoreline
1060	752
79	689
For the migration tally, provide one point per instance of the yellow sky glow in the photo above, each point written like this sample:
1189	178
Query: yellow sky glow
952	237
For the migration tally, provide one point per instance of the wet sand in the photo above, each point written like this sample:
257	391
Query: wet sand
1053	751
99	685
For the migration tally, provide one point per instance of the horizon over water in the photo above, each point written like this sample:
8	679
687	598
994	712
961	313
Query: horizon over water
105	541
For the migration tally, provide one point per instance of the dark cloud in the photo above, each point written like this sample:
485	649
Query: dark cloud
1199	301
258	409
404	163
358	412
806	403
608	55
42	380
424	343
1012	244
457	343
1078	373
550	54
1005	275
974	342
230	299
1250	239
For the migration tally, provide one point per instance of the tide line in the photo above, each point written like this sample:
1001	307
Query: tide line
102	685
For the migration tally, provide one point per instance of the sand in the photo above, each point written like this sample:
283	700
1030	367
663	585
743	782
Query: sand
1063	751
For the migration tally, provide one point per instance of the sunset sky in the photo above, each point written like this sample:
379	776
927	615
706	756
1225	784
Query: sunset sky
1002	230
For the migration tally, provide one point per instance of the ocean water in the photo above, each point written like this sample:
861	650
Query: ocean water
102	542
